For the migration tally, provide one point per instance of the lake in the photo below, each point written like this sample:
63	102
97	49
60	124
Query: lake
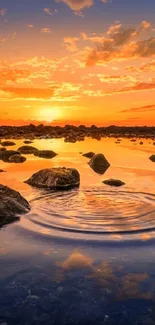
84	256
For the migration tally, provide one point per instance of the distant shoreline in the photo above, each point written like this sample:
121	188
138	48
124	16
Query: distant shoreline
75	133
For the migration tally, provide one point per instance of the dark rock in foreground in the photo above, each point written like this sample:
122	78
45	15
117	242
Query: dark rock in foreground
27	142
49	154
2	149
99	163
17	159
12	204
6	154
88	154
8	143
27	150
113	182
55	178
152	158
2	171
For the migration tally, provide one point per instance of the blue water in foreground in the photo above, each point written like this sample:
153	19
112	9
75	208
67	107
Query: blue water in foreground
85	256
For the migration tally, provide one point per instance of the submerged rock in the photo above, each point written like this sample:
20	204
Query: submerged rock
113	182
12	203
17	159
27	141
152	158
88	154
6	154
99	163
8	143
27	150
55	178
49	154
2	171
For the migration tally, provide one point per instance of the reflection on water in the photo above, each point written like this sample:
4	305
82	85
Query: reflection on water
84	256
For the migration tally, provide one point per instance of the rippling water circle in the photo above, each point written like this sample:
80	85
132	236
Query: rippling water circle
93	212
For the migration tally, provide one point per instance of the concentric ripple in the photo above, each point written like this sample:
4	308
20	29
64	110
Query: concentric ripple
94	211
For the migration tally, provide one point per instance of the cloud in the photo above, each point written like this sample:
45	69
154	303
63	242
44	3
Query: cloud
12	75
30	26
70	43
138	86
33	93
147	67
145	24
139	109
46	30
3	11
77	5
48	11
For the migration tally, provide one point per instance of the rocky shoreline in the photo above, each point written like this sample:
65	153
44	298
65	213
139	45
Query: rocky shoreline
72	133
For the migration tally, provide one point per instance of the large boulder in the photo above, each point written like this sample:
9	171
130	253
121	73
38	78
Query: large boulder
8	143
152	158
88	154
113	182
49	154
6	154
99	163
55	178
27	150
17	159
12	204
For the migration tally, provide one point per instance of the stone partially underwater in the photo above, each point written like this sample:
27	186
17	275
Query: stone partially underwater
99	163
60	178
12	204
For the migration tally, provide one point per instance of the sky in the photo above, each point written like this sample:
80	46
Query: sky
77	62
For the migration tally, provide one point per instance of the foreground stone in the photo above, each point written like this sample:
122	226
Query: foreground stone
49	154
17	159
12	204
152	158
55	178
8	143
113	182
99	163
2	171
6	154
27	150
88	154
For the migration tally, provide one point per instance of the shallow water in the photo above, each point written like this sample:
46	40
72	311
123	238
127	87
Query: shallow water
84	256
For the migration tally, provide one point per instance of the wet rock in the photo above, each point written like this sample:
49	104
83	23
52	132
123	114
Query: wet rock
99	163
88	154
55	178
113	182
27	150
2	171
153	143
6	154
141	142
70	139
12	203
27	142
2	149
17	159
8	143
49	154
152	158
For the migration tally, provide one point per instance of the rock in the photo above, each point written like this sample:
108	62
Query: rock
113	182
11	205
2	149
45	154
88	154
17	159
141	142
27	142
152	158
153	143
70	139
8	143
2	171
6	154
99	163
55	178
27	150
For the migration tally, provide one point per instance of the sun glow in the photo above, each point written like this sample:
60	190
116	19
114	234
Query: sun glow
49	114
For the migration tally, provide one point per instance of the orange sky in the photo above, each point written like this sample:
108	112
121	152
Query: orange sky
58	67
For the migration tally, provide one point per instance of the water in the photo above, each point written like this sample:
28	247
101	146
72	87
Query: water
84	256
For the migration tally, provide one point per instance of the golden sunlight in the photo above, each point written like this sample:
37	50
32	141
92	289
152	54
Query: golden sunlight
50	114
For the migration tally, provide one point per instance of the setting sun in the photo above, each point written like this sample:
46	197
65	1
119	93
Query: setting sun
50	114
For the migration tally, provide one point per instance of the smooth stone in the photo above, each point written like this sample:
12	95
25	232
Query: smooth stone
27	142
99	163
49	154
113	182
88	154
12	204
152	158
6	154
27	150
7	143
141	142
17	159
61	178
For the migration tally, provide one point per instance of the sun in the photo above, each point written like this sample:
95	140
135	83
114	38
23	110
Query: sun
49	114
